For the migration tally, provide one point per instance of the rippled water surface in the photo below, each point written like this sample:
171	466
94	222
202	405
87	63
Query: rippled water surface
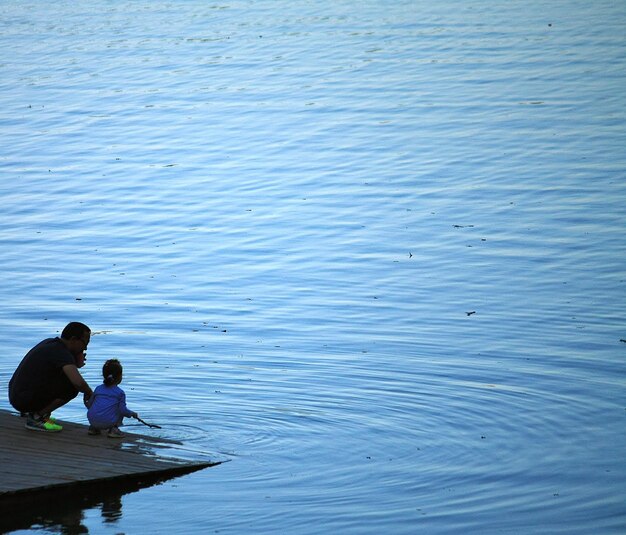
372	254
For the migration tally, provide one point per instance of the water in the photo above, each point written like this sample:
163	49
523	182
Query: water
373	256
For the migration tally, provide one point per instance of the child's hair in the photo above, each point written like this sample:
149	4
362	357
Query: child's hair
111	371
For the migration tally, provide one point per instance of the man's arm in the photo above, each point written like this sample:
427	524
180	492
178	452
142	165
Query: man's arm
77	380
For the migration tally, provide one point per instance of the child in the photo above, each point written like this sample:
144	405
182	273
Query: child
107	405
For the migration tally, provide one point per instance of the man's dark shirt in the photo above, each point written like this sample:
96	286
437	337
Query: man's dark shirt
40	377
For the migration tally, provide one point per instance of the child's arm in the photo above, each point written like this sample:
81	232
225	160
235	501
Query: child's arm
124	410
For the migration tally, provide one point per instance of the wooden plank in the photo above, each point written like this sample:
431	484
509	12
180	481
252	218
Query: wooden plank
32	462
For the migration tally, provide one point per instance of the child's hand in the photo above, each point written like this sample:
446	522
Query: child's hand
135	415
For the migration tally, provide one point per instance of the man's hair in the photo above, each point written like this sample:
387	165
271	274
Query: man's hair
74	329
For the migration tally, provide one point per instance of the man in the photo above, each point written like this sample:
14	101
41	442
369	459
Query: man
48	377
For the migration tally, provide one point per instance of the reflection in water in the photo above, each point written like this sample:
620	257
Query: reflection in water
112	509
63	512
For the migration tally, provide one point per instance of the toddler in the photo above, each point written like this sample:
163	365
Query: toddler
107	406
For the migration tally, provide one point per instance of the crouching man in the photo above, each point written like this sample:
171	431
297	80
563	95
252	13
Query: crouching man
48	377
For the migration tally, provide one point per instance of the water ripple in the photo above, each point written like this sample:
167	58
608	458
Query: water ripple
374	256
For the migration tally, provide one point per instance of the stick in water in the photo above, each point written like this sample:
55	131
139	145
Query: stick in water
155	426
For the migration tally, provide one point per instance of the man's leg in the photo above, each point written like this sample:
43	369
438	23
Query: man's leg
55	395
52	406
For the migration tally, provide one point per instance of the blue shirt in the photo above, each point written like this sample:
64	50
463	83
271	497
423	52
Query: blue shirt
107	406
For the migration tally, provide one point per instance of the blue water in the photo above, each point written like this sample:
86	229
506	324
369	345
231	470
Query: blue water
372	254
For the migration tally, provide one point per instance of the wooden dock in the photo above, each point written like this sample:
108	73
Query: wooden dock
32	463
